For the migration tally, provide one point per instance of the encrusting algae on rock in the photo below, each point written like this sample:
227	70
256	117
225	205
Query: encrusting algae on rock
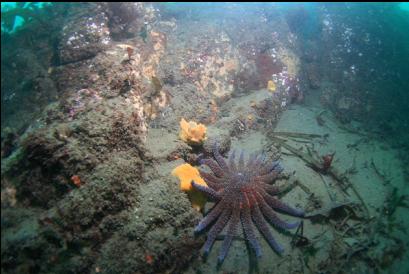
192	133
186	174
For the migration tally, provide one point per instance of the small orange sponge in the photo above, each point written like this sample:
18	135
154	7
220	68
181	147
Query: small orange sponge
191	132
271	86
186	174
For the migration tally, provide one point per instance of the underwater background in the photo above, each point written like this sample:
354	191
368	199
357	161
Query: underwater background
204	137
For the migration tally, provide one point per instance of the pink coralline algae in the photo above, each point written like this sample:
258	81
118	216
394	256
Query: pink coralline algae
81	99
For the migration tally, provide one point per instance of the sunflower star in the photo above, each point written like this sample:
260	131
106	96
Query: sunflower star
242	194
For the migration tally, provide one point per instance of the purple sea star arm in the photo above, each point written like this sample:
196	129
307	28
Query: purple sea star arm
276	204
248	230
209	218
273	218
268	167
259	161
241	161
213	166
273	190
251	161
232	164
220	160
207	191
262	226
216	229
211	180
272	175
231	232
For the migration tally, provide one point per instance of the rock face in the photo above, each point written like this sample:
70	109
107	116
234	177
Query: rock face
127	20
73	187
83	38
313	76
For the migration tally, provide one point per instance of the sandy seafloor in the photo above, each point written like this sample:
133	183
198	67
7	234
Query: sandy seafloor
373	189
